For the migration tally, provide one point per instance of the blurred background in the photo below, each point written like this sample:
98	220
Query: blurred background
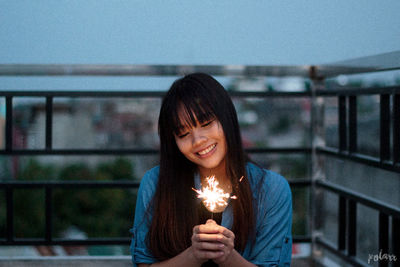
272	33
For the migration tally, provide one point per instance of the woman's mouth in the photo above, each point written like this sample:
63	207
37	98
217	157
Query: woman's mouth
207	150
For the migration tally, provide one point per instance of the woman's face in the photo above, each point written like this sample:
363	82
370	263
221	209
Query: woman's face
204	145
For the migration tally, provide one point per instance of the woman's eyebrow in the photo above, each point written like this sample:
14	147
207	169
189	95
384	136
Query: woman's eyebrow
180	128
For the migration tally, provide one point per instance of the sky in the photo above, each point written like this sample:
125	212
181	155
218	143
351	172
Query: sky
249	32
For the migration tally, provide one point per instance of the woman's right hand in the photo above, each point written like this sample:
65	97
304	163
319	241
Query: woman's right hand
205	242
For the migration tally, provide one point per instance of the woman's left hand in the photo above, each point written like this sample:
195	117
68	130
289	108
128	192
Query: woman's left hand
227	238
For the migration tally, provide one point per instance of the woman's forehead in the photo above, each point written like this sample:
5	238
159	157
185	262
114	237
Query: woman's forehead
189	118
186	118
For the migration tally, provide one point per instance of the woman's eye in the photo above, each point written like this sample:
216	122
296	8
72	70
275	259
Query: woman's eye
182	135
207	123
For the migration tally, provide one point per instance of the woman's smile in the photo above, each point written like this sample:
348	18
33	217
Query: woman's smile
203	144
208	151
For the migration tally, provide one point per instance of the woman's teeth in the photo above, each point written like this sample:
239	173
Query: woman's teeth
208	149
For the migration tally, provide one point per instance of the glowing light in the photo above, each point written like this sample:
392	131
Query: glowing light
214	198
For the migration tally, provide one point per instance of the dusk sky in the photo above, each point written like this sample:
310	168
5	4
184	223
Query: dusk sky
251	32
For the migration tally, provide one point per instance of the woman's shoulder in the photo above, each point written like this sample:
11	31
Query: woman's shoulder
152	173
266	180
149	180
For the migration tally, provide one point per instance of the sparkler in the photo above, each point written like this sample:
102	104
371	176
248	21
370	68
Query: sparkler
214	198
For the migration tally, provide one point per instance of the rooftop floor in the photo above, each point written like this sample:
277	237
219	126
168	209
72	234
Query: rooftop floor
98	261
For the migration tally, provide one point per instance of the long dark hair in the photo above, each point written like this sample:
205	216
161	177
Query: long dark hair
201	97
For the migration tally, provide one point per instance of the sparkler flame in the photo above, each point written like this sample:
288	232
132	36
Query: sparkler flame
214	198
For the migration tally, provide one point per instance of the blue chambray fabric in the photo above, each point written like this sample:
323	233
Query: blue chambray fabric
273	200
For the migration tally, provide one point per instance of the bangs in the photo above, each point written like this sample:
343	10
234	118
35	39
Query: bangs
194	99
190	112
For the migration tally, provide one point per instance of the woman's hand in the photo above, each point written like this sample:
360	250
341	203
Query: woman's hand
212	241
227	238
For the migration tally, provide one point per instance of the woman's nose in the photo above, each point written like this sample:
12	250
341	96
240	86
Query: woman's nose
198	138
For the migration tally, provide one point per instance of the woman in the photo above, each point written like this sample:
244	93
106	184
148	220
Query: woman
199	137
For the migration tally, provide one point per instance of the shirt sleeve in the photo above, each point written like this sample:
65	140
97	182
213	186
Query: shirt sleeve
139	251
273	243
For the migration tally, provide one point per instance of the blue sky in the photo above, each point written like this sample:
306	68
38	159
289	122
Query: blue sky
196	32
253	32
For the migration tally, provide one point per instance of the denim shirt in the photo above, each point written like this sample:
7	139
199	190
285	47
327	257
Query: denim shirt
273	206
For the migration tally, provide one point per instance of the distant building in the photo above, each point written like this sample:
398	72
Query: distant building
89	124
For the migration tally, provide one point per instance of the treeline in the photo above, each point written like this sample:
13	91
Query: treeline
97	212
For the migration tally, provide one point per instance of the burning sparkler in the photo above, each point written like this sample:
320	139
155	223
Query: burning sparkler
214	198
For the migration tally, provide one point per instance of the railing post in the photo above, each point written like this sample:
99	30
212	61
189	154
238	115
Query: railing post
385	127
9	124
317	136
49	122
395	239
342	223
352	124
342	123
49	213
352	228
396	130
383	237
10	213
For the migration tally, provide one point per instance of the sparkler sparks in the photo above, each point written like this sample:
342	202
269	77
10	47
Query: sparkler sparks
214	198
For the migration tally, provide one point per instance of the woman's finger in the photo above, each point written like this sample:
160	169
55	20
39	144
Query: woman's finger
208	228
211	221
209	237
209	246
228	233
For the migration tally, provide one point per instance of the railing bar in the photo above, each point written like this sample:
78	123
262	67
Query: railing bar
352	124
301	239
10	213
160	93
396	129
111	184
69	184
9	124
396	238
38	152
360	198
385	127
383	237
148	93
49	122
342	123
352	228
96	241
361	91
364	159
300	182
162	70
268	94
342	212
349	259
291	150
67	242
49	214
84	93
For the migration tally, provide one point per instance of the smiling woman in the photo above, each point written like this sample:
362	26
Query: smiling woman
200	137
204	145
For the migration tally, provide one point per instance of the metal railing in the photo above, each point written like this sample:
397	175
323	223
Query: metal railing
389	215
389	159
10	186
